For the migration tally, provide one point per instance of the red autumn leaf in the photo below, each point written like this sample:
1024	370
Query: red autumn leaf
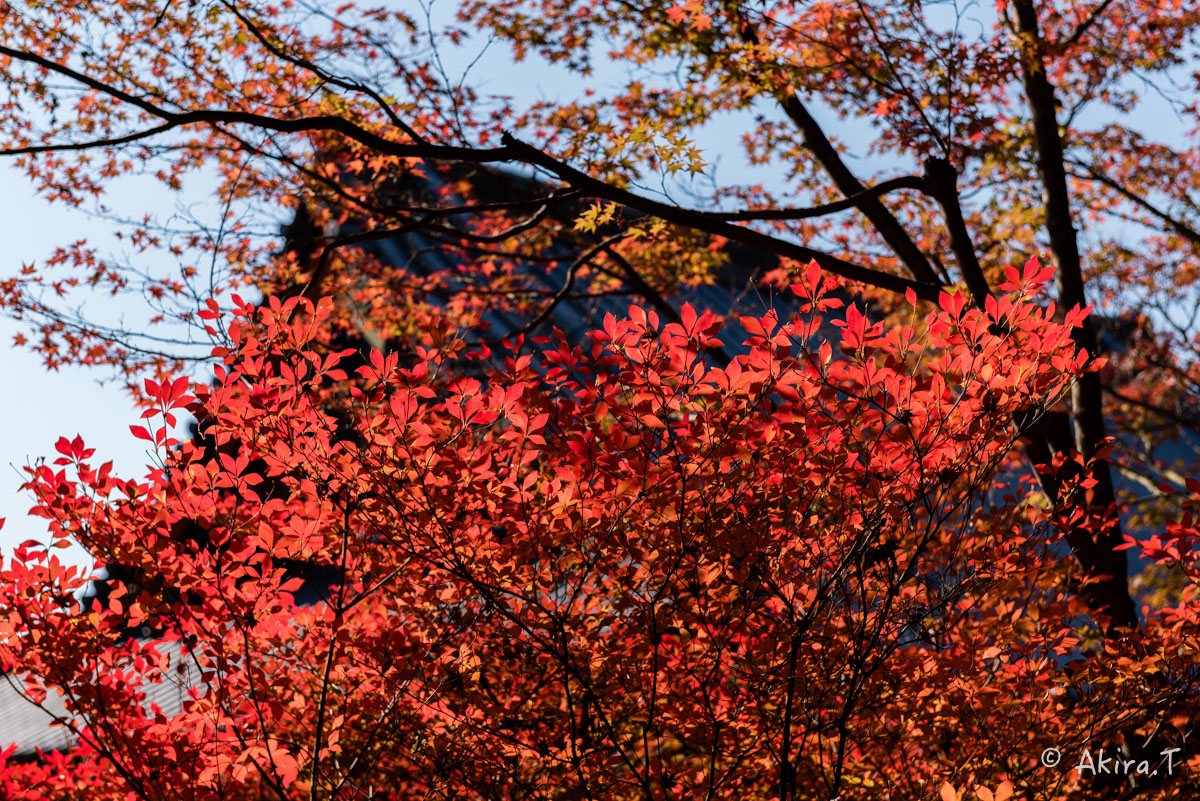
423	542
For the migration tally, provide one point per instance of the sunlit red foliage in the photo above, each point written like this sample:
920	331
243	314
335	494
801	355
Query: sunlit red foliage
620	569
878	551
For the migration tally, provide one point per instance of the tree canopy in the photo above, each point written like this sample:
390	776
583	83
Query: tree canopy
868	540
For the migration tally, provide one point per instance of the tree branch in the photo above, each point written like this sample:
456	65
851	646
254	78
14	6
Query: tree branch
701	222
336	124
1170	415
511	150
827	156
941	181
871	207
568	284
89	145
890	185
1178	226
1082	28
1098	557
352	86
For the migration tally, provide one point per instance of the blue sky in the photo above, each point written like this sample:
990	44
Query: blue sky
40	405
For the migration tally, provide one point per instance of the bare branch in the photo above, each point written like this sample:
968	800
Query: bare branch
298	125
1178	226
697	221
827	156
511	150
352	86
89	145
871	207
568	283
1082	28
941	180
890	185
1183	421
